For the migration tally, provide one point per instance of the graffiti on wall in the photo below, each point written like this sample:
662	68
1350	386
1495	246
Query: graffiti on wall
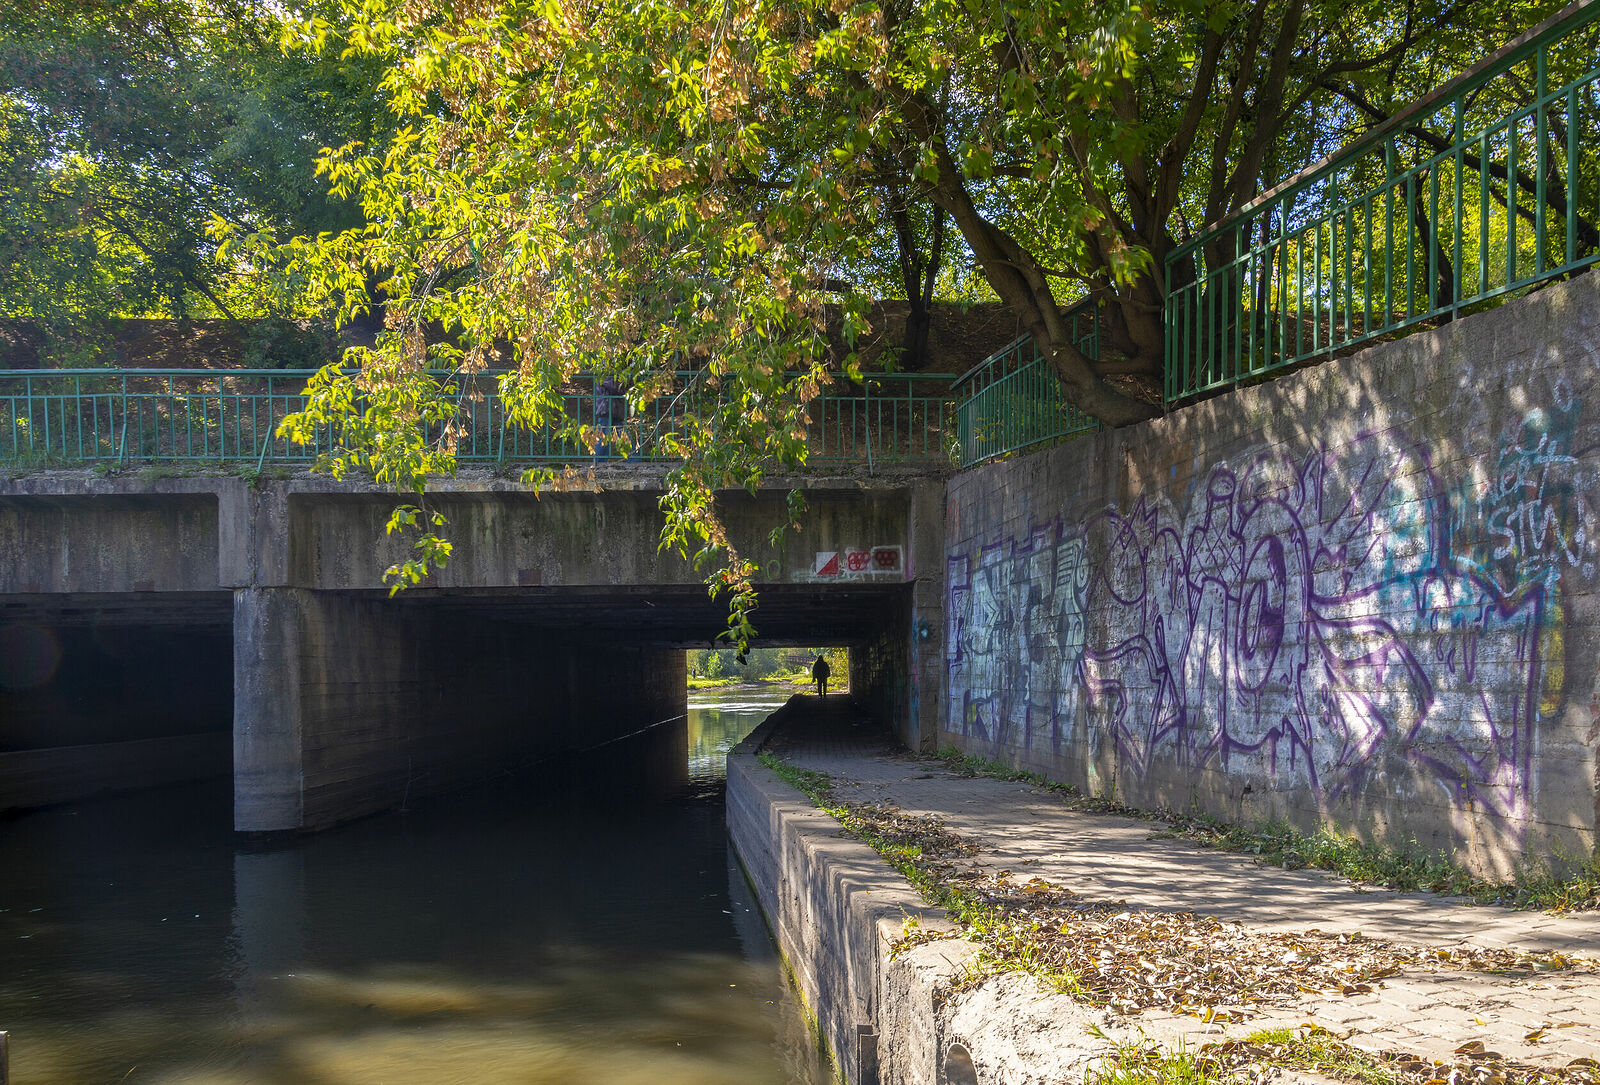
1019	623
1300	617
1527	519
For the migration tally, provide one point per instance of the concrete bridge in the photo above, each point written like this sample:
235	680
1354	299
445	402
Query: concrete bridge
1363	595
156	630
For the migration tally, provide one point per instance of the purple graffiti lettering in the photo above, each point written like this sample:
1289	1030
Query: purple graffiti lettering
1304	617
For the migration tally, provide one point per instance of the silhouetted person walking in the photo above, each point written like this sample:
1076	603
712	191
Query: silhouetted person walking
819	674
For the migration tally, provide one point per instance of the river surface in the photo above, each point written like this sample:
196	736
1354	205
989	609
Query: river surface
491	937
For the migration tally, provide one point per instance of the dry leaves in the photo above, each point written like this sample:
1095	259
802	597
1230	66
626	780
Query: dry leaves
1317	1049
892	827
1131	959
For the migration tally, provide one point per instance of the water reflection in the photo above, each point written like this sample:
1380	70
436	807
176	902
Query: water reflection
720	719
491	938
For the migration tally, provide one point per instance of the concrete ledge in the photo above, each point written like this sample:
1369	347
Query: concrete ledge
836	909
31	778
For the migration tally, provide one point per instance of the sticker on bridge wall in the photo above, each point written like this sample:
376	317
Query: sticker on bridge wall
850	564
887	559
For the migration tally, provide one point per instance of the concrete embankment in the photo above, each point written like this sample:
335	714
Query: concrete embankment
888	1018
836	909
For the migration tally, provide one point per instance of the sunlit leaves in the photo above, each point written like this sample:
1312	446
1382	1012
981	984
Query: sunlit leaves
429	550
685	194
161	119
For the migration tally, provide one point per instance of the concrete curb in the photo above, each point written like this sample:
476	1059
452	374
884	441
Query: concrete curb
836	908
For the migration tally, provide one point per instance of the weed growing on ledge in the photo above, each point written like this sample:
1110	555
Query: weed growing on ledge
1315	1050
1282	845
1150	1064
1304	1050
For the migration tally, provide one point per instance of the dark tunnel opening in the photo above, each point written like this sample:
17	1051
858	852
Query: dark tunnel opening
112	695
326	706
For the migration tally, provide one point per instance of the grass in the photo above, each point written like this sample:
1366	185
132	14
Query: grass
1307	1049
797	679
697	682
28	462
1152	1065
1318	1051
1408	869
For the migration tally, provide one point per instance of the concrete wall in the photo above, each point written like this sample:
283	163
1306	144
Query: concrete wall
74	537
631	718
346	705
896	674
64	685
879	669
1362	595
505	535
88	709
78	532
55	774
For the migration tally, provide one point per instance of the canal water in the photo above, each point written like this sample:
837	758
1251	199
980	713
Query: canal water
497	936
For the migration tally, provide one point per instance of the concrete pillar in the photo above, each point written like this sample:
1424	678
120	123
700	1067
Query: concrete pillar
269	642
926	649
898	673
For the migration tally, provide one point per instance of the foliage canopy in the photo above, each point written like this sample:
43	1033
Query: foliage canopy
127	128
700	186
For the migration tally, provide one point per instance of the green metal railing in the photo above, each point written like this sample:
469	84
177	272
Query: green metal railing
75	416
1453	202
1012	399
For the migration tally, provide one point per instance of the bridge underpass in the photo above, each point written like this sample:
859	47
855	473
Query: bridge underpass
108	691
247	631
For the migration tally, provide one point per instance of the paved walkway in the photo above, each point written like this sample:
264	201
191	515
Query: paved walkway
1544	1019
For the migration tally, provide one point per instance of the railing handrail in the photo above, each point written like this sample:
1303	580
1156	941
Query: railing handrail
1068	313
133	371
1569	18
990	360
5	374
83	415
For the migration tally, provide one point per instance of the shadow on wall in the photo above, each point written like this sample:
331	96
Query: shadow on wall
1364	590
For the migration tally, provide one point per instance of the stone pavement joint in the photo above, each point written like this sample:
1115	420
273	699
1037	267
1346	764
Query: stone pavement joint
1543	1019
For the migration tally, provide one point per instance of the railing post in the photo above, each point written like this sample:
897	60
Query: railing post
122	445
1458	129
261	460
1541	122
866	399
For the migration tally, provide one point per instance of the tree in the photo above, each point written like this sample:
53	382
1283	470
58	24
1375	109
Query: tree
128	127
643	188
